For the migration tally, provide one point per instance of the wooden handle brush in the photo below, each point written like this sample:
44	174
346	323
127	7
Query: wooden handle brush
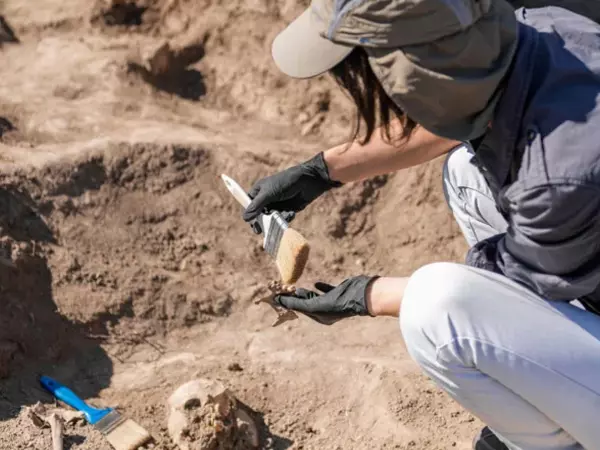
288	247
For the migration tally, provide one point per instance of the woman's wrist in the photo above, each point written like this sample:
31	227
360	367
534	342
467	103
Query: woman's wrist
333	159
383	296
373	307
347	163
319	164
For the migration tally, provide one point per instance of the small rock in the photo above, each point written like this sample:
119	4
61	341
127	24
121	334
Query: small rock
119	12
6	32
192	403
74	264
5	126
312	125
183	265
234	367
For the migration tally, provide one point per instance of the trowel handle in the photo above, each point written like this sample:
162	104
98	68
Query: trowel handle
236	190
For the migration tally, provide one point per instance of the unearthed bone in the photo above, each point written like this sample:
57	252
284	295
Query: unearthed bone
55	418
56	425
40	413
203	414
283	314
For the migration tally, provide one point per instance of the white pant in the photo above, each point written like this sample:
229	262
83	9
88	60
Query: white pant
527	367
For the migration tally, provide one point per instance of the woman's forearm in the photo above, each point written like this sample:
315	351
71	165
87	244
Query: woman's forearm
377	157
384	296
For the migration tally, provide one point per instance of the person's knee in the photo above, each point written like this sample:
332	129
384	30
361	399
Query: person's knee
435	294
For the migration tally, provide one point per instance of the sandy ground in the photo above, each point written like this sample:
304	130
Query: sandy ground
134	271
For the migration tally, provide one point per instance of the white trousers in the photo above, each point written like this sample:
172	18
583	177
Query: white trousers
527	367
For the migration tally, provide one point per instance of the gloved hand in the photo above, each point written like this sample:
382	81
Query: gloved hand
333	303
291	190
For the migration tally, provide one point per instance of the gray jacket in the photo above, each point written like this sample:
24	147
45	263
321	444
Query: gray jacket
541	158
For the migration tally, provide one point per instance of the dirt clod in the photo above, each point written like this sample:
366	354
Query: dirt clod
277	288
5	126
234	367
123	12
6	32
168	66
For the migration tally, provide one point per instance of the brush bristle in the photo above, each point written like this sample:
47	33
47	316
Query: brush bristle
292	256
128	435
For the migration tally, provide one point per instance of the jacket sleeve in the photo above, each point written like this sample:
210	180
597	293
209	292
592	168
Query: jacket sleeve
552	244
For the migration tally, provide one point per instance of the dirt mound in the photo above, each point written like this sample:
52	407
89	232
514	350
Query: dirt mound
120	229
167	68
30	326
125	268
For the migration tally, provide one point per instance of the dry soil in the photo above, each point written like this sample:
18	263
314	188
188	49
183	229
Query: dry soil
125	267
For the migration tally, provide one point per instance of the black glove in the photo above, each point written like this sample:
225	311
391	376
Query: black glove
291	190
335	303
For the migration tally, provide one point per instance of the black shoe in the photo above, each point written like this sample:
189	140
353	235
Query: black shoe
487	440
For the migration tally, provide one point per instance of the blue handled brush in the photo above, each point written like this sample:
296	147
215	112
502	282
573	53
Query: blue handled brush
120	432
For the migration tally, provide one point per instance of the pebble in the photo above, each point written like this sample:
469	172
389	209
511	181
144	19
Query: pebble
234	367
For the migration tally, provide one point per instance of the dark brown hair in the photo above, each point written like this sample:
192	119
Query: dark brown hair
374	106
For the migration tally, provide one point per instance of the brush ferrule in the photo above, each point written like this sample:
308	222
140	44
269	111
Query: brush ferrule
109	422
274	234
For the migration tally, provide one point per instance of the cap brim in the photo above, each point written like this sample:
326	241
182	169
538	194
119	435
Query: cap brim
300	52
